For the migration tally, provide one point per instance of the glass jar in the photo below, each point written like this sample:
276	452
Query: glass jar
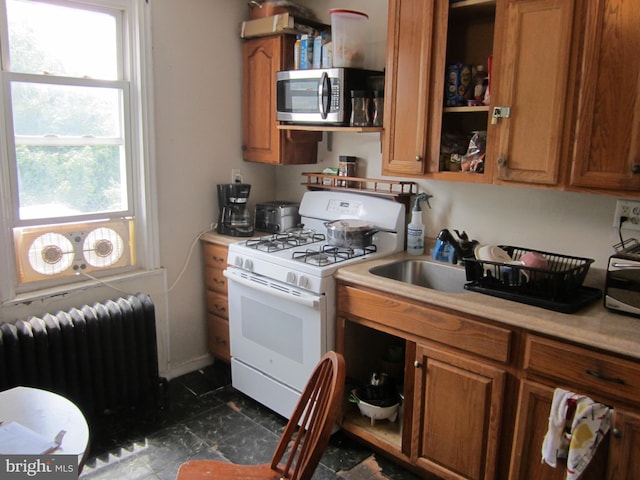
360	108
377	108
346	168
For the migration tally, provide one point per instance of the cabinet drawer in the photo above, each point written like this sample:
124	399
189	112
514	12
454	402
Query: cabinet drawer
218	337
215	279
450	329
217	304
581	368
214	255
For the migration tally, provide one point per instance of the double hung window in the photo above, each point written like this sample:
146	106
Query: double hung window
73	164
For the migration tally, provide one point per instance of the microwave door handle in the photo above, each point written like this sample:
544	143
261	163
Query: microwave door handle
324	95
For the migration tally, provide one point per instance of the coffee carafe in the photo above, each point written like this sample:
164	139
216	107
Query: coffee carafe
235	218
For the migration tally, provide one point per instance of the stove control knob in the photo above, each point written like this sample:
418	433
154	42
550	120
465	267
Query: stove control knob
291	278
238	262
248	265
303	282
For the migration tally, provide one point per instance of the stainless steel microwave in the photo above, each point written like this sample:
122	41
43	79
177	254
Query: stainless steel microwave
319	96
622	289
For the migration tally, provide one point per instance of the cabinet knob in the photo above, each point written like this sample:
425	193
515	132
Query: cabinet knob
616	432
502	161
635	168
417	364
418	158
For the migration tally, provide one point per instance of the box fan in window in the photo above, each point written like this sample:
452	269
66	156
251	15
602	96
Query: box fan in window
63	250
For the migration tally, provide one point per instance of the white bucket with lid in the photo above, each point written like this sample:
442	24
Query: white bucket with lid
349	33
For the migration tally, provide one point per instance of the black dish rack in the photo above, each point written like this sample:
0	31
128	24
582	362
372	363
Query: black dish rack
556	287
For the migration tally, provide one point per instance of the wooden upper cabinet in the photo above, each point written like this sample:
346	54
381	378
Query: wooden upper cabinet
407	82
424	36
530	78
261	140
607	141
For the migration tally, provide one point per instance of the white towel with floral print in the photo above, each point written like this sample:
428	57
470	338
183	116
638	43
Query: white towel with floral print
589	425
554	443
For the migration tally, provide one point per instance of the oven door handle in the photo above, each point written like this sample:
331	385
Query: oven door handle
312	302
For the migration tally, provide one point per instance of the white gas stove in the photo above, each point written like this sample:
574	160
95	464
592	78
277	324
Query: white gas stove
282	297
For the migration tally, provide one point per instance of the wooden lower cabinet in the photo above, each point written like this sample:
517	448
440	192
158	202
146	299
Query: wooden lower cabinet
457	414
218	337
477	395
452	411
215	261
624	457
604	378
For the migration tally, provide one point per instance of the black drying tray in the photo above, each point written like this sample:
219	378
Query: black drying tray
582	297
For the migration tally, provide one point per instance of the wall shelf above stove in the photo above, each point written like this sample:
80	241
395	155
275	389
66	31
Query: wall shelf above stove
400	191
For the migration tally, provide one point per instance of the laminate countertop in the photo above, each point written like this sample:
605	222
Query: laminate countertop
593	326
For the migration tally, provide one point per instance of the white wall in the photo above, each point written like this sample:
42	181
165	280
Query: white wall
560	222
198	74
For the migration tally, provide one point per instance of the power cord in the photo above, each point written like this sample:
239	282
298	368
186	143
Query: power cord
622	220
175	282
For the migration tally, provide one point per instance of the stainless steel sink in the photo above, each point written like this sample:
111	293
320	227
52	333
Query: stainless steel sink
422	273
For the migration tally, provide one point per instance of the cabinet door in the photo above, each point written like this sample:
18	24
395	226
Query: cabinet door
607	143
530	77
408	83
532	423
624	461
457	414
261	140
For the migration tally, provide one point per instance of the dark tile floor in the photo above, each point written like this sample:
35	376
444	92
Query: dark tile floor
204	417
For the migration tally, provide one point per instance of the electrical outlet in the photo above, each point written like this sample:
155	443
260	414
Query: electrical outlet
629	209
236	175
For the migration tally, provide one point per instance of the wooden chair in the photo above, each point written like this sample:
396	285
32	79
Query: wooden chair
304	438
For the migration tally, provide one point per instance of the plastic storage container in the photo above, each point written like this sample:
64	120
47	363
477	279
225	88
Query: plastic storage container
349	31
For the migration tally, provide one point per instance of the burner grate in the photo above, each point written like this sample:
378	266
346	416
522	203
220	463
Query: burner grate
330	254
283	241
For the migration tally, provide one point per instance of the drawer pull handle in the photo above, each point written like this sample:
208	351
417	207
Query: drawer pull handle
218	281
599	376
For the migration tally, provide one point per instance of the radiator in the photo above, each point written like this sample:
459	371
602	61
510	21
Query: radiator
103	357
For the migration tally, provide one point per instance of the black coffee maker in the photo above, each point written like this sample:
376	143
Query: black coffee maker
235	218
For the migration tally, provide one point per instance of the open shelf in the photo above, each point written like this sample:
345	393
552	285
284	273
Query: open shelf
329	128
381	431
400	191
481	108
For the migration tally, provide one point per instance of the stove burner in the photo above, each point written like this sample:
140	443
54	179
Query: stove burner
330	254
304	236
283	241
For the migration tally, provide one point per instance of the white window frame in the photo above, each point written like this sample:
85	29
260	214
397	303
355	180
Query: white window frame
139	127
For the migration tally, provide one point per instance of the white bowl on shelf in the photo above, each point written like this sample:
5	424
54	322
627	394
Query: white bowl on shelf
374	412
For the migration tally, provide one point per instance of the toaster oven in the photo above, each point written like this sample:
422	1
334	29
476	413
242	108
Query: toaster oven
277	216
622	288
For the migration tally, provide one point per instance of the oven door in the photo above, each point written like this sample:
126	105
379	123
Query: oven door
274	328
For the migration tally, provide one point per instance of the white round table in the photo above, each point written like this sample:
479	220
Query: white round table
47	413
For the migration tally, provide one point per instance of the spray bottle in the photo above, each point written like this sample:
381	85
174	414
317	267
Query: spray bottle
415	229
